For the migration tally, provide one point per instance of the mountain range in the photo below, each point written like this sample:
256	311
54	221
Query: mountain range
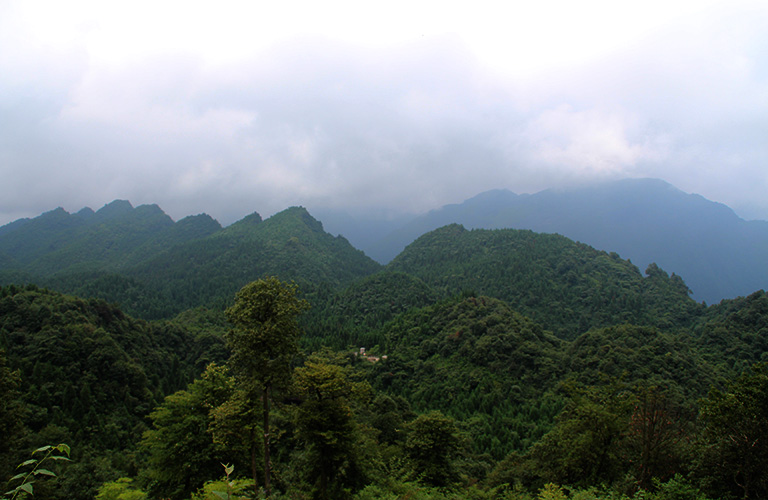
510	332
718	254
140	255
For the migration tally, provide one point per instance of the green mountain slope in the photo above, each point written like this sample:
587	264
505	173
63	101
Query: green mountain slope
565	286
113	238
291	245
156	268
354	316
91	375
478	361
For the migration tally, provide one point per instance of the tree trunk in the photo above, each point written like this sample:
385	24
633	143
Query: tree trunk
267	463
254	468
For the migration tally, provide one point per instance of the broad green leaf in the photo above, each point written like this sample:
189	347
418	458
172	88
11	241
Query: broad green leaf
18	476
57	457
42	448
28	462
63	448
222	494
27	487
44	472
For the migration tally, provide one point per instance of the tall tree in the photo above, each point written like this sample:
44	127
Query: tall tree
326	424
264	339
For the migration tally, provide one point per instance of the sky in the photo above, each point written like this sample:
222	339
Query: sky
375	107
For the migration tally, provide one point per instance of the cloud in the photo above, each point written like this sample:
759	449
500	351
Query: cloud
215	124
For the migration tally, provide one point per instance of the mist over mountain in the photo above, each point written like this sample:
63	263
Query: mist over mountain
718	254
645	220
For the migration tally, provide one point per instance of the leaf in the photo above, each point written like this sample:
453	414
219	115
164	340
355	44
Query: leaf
42	448
44	472
27	487
18	476
63	448
28	462
57	457
222	494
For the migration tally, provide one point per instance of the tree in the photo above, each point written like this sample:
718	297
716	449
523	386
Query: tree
432	445
585	447
264	340
736	447
181	452
325	422
12	412
655	437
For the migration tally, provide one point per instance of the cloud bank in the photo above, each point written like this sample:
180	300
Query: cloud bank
245	124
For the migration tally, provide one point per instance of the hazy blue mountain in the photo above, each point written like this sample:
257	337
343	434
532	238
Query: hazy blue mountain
114	237
645	220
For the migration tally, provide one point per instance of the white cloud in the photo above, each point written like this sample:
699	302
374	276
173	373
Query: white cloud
244	107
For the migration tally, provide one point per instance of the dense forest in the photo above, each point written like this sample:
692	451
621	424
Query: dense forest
183	360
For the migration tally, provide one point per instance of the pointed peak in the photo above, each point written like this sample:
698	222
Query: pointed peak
299	214
85	213
250	219
117	207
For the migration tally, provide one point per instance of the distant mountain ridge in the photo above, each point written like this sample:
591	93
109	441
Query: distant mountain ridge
645	220
123	248
155	267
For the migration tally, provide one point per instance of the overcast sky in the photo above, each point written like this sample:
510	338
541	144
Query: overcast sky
233	107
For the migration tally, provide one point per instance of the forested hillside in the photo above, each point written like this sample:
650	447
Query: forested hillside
487	364
89	375
565	286
155	268
645	220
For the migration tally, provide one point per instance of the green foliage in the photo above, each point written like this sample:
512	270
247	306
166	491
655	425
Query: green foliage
676	488
325	423
32	470
265	334
459	329
121	489
585	446
90	376
228	489
264	340
12	413
566	287
480	362
736	451
639	354
432	447
355	315
181	452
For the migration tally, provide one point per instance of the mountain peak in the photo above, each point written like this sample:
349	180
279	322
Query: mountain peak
114	208
298	214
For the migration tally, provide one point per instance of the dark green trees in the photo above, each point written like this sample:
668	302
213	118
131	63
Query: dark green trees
264	340
181	453
431	446
326	425
736	434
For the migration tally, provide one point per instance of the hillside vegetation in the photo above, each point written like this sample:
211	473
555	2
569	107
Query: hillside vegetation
477	364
